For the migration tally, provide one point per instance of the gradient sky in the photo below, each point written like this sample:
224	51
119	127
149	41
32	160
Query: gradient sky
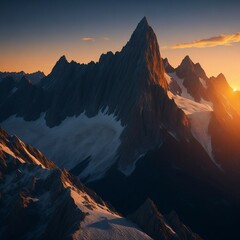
34	34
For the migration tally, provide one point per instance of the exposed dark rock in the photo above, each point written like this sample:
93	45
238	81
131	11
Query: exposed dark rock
167	66
160	227
183	232
152	222
191	73
35	77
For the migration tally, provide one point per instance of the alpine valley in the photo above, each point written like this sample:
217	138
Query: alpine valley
159	144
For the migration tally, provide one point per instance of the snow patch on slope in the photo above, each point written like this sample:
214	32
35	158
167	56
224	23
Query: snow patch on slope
190	106
74	140
101	223
203	82
179	81
199	127
199	115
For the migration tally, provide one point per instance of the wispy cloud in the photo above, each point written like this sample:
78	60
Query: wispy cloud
223	39
87	39
91	39
106	38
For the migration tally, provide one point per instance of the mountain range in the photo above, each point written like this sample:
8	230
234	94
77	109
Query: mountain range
133	128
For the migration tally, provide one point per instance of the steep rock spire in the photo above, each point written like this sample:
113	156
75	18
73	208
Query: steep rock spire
143	49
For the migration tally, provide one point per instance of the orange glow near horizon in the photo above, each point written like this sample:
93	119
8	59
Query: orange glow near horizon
216	60
42	57
34	57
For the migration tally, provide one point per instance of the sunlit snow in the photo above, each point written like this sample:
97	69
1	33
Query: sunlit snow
199	115
101	223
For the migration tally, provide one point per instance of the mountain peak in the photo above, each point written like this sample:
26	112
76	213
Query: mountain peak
141	30
143	49
60	64
168	67
187	61
221	82
199	71
221	76
62	59
143	23
186	66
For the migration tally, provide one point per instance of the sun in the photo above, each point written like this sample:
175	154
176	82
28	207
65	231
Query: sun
235	89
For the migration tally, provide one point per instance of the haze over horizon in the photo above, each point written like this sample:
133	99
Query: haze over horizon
35	34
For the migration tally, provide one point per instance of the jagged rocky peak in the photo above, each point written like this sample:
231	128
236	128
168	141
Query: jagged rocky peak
152	221
106	57
183	232
220	83
188	67
62	61
60	64
195	78
200	72
221	78
144	49
186	64
143	25
161	227
35	77
168	67
58	70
